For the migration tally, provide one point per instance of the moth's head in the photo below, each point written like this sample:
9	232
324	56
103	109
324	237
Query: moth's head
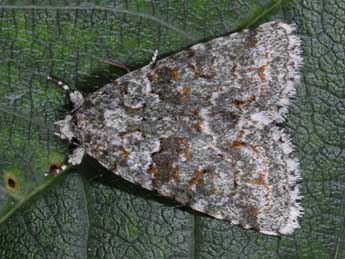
64	128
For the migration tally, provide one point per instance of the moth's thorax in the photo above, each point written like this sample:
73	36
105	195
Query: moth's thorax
199	126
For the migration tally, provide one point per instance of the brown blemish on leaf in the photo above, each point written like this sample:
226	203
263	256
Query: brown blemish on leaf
254	148
11	182
266	54
54	167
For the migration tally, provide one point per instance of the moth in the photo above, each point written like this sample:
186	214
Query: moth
202	127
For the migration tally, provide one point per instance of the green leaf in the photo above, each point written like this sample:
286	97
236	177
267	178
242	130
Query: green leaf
89	214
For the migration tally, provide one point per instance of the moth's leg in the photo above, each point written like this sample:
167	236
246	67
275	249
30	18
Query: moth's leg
76	156
75	96
117	65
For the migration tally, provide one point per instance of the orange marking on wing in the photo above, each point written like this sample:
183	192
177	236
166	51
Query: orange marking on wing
261	72
233	71
173	73
152	170
238	144
258	181
123	152
175	174
196	178
185	94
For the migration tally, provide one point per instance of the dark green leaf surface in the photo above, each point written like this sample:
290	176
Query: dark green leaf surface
86	214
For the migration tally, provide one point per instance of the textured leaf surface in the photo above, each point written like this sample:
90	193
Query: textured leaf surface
81	217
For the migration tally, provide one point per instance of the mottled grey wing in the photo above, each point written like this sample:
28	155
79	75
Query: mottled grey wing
198	126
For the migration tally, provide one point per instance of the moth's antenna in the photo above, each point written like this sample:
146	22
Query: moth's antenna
60	83
117	65
74	95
